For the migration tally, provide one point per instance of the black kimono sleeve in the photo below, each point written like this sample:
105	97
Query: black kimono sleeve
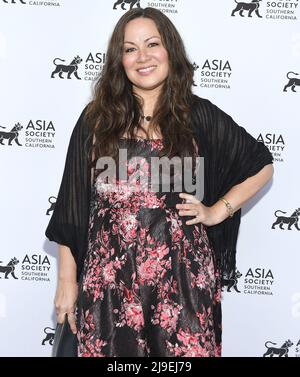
231	155
69	222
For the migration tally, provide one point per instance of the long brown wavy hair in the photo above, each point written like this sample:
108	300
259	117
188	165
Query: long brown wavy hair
116	109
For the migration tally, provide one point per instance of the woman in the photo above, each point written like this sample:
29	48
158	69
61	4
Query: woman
143	268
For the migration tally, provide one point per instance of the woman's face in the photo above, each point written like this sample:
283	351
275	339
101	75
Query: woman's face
145	59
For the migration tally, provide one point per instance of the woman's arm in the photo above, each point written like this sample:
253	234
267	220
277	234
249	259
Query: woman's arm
67	265
67	288
237	196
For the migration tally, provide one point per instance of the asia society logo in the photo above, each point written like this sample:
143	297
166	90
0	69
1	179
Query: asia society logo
8	270
215	74
231	282
258	281
292	83
49	336
285	10
37	133
48	3
285	348
124	3
11	136
280	351
68	69
36	267
247	7
275	143
286	222
89	68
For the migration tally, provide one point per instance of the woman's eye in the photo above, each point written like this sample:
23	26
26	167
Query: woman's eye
129	49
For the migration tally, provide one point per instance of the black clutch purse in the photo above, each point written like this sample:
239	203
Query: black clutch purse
65	342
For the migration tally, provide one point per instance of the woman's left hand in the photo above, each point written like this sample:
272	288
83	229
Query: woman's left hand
193	207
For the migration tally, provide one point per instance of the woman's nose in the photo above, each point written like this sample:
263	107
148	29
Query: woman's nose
142	55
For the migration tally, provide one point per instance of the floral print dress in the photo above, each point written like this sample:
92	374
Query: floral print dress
149	285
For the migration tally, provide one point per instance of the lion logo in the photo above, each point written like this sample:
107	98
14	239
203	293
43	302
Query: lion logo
9	268
250	7
52	206
70	69
14	2
49	338
292	220
12	135
231	281
123	2
280	352
293	82
195	67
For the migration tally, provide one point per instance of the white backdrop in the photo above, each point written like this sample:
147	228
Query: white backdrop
241	65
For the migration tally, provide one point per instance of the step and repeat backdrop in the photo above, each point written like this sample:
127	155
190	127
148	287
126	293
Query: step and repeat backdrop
246	57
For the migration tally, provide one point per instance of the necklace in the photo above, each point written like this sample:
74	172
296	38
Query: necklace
147	117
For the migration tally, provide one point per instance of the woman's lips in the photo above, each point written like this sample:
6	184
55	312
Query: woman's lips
146	71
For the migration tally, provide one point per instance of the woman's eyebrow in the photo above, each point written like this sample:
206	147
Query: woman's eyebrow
154	36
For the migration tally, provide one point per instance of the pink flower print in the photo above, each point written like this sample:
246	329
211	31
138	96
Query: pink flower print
217	295
142	233
158	252
128	294
201	280
94	348
196	351
128	227
176	230
108	273
105	237
156	144
117	264
204	318
175	349
151	200
148	270
218	351
130	169
134	315
187	338
168	315
115	228
89	323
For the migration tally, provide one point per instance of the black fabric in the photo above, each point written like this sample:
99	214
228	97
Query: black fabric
69	222
65	342
230	153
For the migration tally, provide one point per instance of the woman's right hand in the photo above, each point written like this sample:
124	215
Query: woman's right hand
65	302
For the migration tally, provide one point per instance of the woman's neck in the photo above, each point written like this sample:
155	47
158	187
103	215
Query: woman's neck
149	99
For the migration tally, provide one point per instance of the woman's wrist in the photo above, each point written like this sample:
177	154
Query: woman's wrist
219	212
67	278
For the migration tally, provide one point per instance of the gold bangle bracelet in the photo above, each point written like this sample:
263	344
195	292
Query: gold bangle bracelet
228	206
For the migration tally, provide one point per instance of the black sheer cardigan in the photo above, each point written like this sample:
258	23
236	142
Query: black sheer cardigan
230	153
